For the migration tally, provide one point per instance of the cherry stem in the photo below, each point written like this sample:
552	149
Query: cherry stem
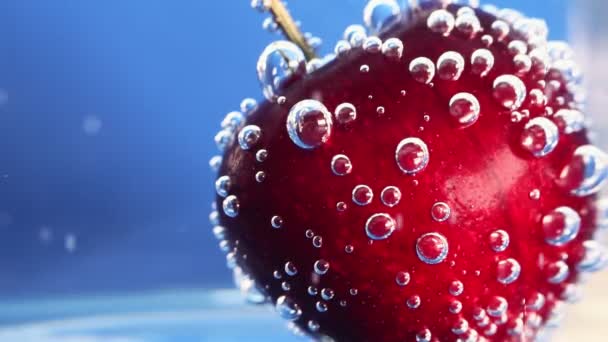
289	28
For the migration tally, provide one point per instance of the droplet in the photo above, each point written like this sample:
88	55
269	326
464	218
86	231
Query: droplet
341	165
456	288
497	306
499	240
231	206
393	48
441	21
276	222
288	309
345	113
465	108
402	278
482	61
432	248
412	155
249	136
540	136
587	171
440	211
422	70
279	64
379	226
390	196
508	271
222	186
321	267
378	14
509	91
557	272
413	302
362	195
309	124
561	226
450	66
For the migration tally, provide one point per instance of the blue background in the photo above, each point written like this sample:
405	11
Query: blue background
135	193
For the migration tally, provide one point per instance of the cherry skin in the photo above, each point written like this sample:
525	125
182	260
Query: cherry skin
381	198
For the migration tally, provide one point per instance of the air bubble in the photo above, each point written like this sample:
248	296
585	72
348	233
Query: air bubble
327	294
468	24
342	47
482	61
508	271
233	121
222	186
557	272
231	206
321	306
422	70
594	258
440	211
248	105
280	63
455	306
313	326
309	124
497	306
460	326
321	267
540	136
291	269
499	240
378	14
276	222
509	91
393	48
364	68
341	206
412	155
288	309
349	249
450	66
341	165
561	226
500	29
317	241
456	288
441	21
223	139
260	176
345	113
432	248
402	278
586	173
424	335
355	35
570	120
464	107
249	136
215	163
261	155
390	196
362	195
379	226
413	302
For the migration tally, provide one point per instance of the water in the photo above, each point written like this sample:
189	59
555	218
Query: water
179	315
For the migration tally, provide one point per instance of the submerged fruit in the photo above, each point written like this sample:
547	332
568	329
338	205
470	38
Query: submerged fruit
431	183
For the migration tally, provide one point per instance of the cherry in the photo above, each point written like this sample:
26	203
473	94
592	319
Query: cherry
431	182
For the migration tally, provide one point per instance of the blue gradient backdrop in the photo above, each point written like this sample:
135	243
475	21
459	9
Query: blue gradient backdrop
158	76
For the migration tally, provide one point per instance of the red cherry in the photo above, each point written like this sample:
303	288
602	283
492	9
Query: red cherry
434	183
